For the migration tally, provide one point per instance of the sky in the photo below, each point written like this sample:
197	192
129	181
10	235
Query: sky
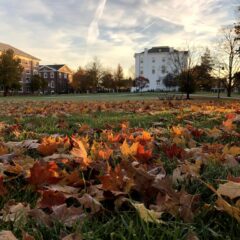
73	32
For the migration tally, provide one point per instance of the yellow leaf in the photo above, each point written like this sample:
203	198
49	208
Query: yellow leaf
129	151
234	150
146	214
233	211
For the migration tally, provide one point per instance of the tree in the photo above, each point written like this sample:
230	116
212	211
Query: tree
107	80
10	71
35	83
227	54
78	80
140	83
118	77
94	73
187	82
182	64
170	81
43	84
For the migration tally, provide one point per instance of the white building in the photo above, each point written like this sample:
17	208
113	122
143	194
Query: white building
155	63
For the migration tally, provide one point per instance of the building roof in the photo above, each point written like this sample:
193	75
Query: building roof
159	49
5	47
55	66
162	49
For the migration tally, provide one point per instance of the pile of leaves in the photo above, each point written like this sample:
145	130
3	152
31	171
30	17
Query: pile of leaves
160	173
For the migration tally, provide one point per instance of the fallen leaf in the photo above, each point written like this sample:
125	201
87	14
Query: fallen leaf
50	198
7	235
146	214
229	189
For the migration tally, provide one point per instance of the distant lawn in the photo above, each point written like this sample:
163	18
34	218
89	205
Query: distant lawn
109	97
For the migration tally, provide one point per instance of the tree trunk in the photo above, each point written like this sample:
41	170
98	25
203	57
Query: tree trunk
229	92
5	91
188	96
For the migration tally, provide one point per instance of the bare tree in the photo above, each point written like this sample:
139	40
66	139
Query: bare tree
182	63
228	58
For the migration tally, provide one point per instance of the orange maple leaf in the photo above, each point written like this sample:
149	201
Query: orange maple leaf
115	180
44	173
50	145
143	155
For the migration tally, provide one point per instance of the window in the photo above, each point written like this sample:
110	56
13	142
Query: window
52	74
141	72
35	72
27	79
65	75
163	59
60	75
163	69
153	71
153	59
158	82
52	84
45	75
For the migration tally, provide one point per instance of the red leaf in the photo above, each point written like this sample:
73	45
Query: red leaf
174	151
51	198
44	173
143	155
3	190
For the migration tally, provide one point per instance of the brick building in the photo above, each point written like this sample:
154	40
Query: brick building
29	63
59	77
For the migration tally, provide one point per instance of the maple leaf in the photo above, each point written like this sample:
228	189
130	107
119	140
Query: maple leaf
44	173
50	145
144	137
143	155
101	151
174	151
115	180
127	150
146	214
51	198
80	152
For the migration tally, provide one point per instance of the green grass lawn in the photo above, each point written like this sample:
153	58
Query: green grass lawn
107	97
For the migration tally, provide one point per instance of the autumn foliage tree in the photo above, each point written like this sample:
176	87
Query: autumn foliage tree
118	77
10	71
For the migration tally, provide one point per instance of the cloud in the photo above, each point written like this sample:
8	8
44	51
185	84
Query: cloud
93	31
74	31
